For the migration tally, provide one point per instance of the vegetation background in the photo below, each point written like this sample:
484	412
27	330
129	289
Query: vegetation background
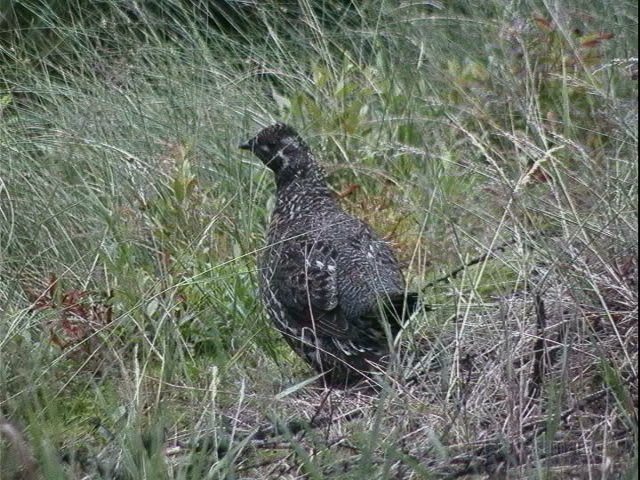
501	133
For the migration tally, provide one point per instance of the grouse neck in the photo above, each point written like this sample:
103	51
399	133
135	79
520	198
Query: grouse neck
302	194
309	180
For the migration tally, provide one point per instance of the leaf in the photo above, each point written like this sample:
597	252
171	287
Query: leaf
297	387
45	299
348	190
5	101
594	39
152	307
543	23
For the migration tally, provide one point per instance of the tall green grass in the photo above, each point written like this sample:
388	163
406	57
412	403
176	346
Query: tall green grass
463	127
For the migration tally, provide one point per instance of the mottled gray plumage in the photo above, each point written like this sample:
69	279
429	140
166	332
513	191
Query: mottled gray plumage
332	287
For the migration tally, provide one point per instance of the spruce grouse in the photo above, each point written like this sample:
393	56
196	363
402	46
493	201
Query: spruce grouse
331	286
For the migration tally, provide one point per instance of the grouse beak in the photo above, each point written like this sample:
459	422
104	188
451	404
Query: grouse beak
246	145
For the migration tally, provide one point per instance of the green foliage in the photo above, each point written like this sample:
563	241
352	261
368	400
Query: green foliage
449	127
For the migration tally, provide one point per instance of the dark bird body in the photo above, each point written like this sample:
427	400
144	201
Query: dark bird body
331	286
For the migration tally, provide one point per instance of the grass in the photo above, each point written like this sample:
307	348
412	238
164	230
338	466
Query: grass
132	344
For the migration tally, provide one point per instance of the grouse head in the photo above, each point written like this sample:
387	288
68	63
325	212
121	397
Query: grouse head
281	149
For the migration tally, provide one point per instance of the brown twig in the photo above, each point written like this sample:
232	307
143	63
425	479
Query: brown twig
539	349
474	261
